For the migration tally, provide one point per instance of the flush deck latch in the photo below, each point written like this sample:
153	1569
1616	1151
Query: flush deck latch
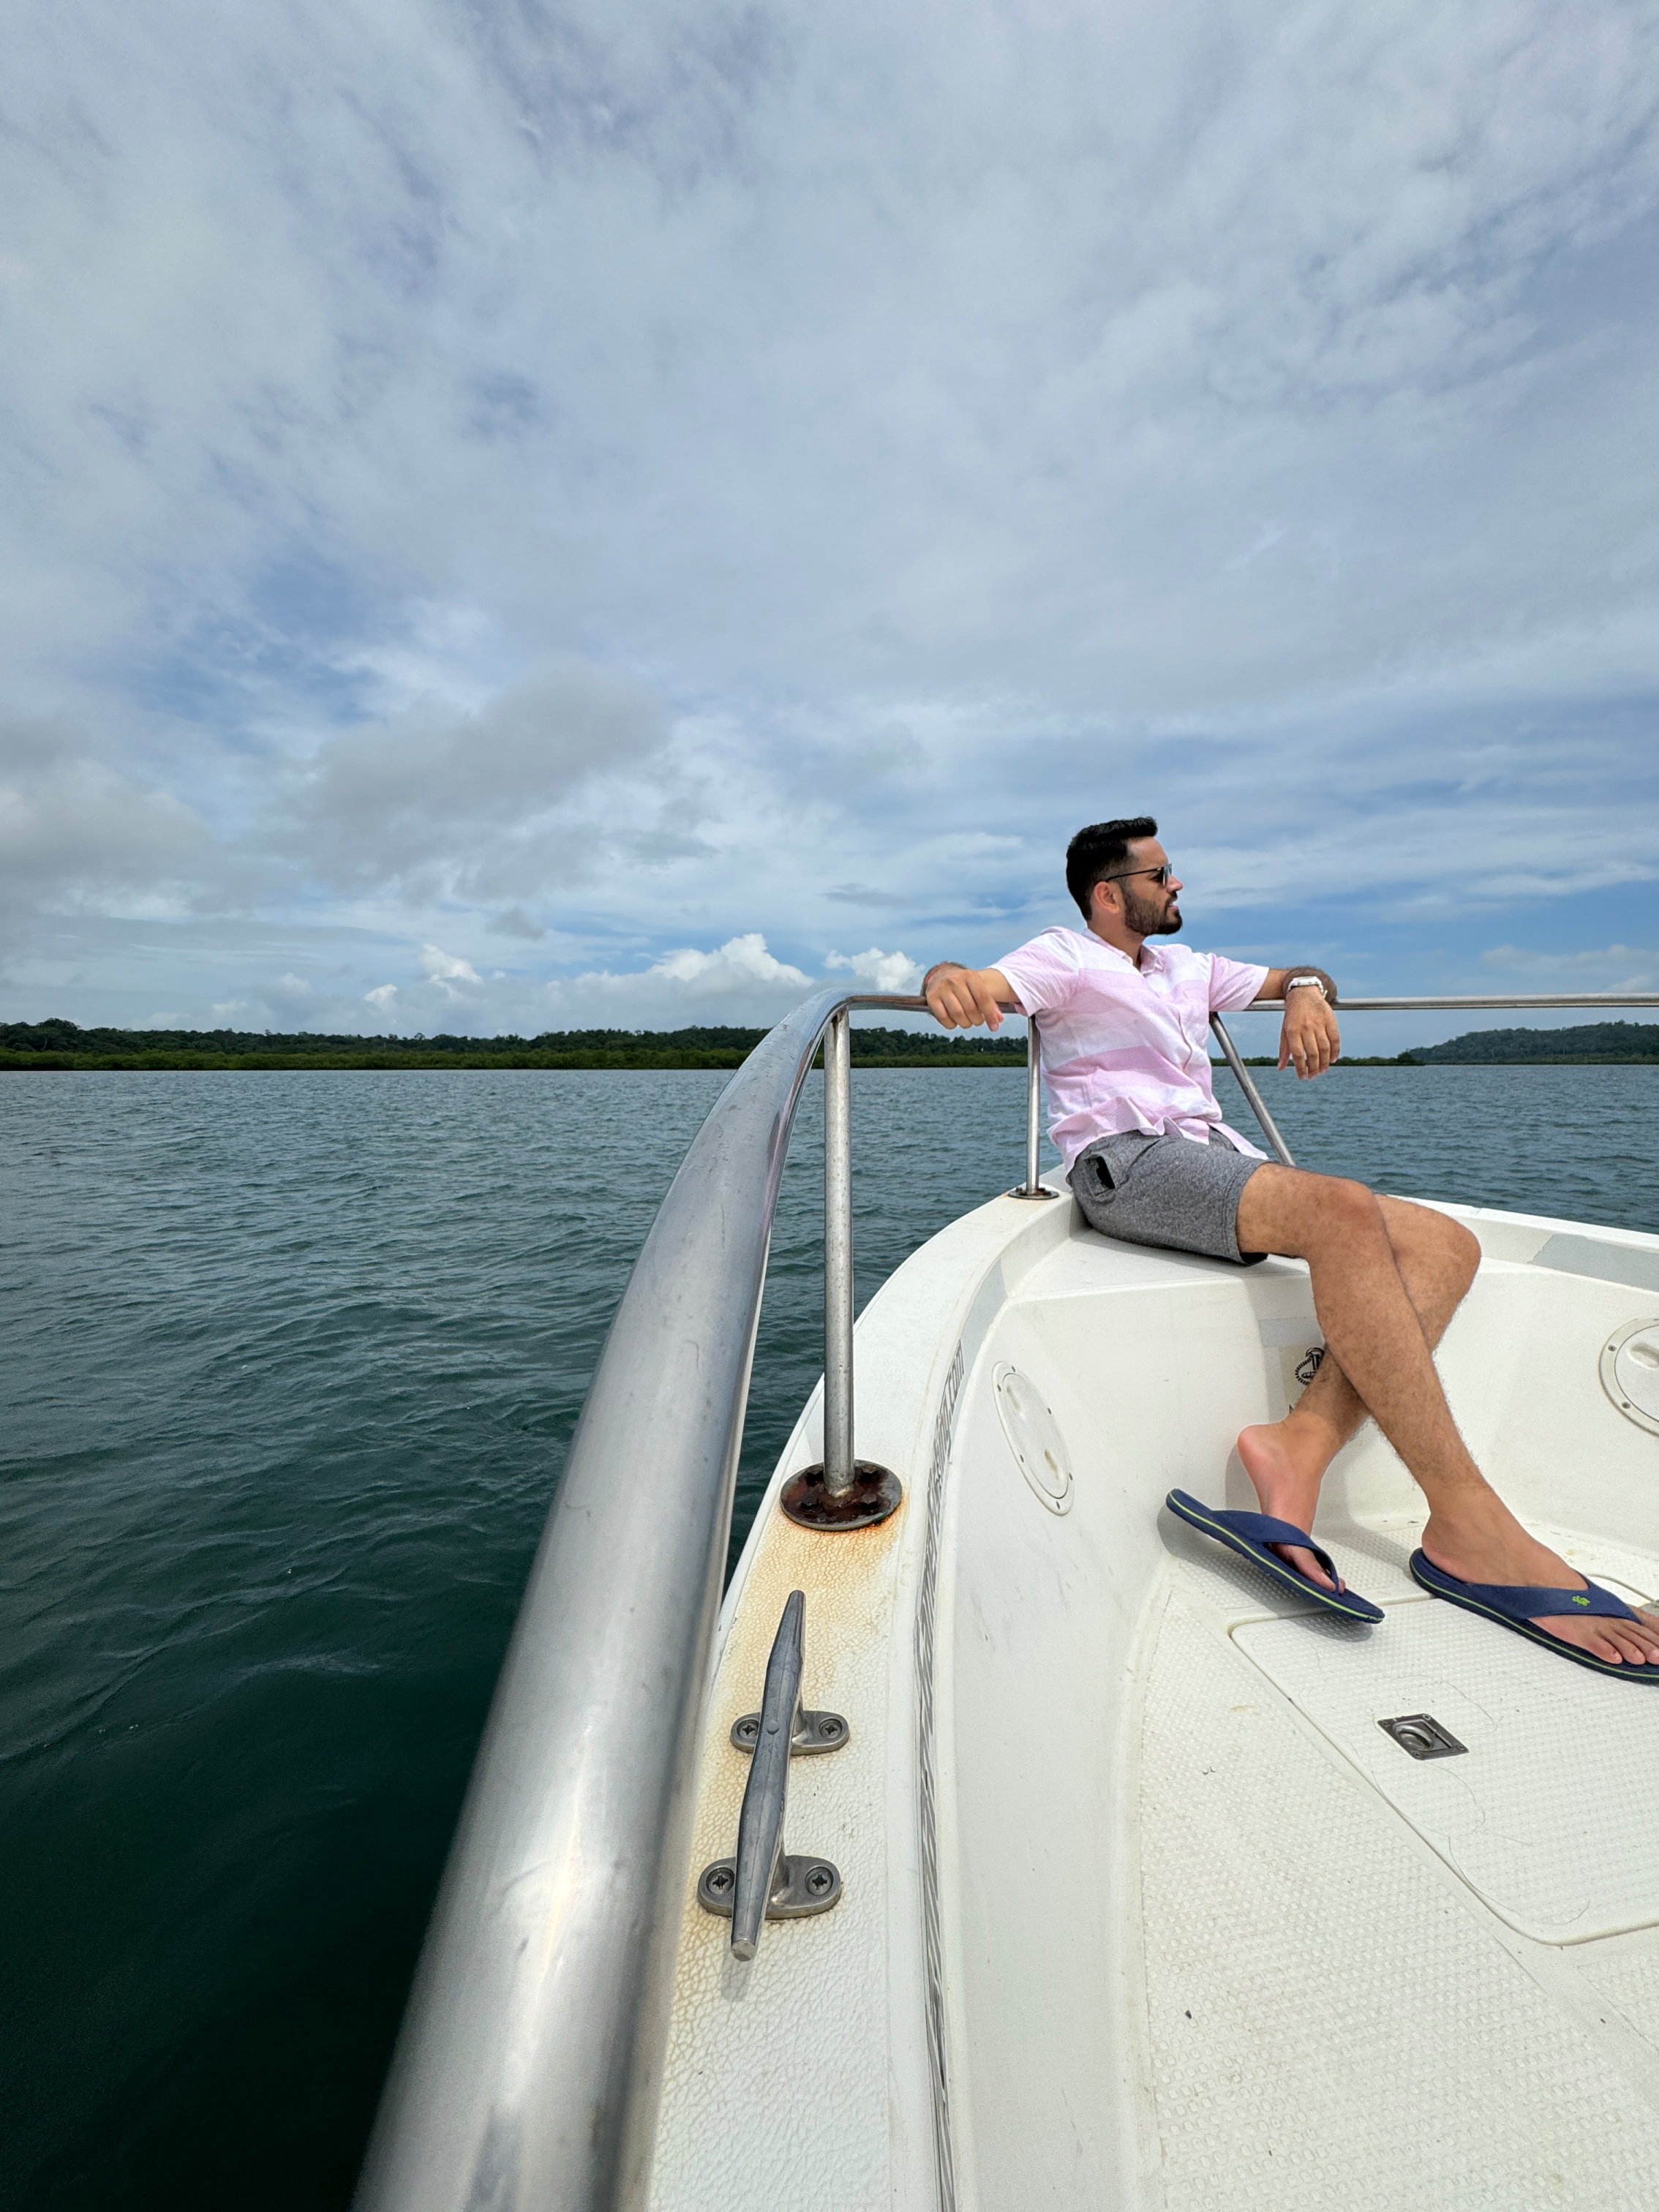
1422	1736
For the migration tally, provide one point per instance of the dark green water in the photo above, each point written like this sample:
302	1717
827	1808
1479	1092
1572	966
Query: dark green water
290	1365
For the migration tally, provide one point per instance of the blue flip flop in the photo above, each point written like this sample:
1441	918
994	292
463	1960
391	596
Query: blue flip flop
1250	1535
1517	1605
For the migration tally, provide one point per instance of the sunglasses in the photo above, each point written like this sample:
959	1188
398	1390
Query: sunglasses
1161	875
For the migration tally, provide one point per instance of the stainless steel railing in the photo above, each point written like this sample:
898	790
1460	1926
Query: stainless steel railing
1246	1083
1529	998
1033	1186
529	2066
838	1252
527	2071
1258	1104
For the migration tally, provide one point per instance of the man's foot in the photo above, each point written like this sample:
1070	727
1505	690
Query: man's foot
1287	1463
1483	1542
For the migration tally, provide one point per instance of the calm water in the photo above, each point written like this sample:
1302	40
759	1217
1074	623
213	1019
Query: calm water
291	1362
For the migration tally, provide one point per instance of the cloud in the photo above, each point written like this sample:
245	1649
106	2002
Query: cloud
599	481
888	972
471	804
77	833
292	998
740	982
1604	968
741	968
514	921
865	894
786	368
741	959
448	970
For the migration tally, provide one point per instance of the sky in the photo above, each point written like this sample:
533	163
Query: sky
524	517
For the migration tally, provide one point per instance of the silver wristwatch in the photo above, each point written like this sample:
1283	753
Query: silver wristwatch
1295	982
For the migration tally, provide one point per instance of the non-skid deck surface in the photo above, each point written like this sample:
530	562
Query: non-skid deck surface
1335	2010
1550	1813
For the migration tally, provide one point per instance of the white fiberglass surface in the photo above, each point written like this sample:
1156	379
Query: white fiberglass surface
1550	1812
1212	1926
1321	1993
1136	1914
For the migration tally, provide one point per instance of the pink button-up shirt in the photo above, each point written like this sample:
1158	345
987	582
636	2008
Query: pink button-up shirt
1126	1048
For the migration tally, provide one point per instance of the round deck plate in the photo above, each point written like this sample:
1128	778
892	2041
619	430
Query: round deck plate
1034	1438
1630	1373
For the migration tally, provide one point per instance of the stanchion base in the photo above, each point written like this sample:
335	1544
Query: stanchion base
1039	1193
875	1492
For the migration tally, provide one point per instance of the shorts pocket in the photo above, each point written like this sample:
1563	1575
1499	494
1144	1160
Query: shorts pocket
1097	1174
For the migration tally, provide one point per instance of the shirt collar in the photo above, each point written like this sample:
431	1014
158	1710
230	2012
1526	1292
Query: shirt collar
1151	957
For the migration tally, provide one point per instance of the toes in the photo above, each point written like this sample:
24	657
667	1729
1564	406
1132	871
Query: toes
1305	1564
1637	1643
1618	1642
1600	1642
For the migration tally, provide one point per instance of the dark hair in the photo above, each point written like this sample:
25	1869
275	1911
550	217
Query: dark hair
1098	851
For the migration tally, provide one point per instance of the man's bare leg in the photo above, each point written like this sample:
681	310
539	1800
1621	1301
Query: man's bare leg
1436	1259
1375	1335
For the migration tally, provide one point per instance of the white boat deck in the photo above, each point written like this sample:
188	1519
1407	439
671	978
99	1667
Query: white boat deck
1434	1975
1142	1907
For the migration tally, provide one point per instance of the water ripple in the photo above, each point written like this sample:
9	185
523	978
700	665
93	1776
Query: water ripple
292	1362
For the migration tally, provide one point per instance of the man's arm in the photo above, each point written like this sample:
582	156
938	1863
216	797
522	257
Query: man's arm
961	998
1310	1038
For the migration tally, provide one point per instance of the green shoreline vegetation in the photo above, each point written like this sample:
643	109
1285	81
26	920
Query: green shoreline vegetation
60	1045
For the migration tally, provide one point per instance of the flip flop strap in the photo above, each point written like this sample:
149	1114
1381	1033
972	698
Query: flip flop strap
1262	1528
1525	1603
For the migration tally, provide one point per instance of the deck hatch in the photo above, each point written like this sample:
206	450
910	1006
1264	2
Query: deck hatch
1034	1438
1630	1372
1551	1819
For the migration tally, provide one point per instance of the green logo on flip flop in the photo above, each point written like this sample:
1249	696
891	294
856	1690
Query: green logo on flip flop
1581	1601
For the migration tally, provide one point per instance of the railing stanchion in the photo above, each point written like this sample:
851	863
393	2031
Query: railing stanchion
840	1491
1033	1103
1258	1104
1032	1186
838	1255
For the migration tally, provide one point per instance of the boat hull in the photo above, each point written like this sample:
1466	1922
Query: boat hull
1141	1906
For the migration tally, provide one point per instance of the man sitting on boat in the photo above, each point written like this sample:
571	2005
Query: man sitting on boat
1124	1034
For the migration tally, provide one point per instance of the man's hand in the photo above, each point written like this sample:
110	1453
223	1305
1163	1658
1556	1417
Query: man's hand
963	997
1310	1039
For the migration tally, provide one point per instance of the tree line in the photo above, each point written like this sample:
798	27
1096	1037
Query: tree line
63	1044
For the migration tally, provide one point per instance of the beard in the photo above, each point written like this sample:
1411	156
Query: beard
1158	917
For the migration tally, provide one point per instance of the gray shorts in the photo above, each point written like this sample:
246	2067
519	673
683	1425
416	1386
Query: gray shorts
1171	1191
